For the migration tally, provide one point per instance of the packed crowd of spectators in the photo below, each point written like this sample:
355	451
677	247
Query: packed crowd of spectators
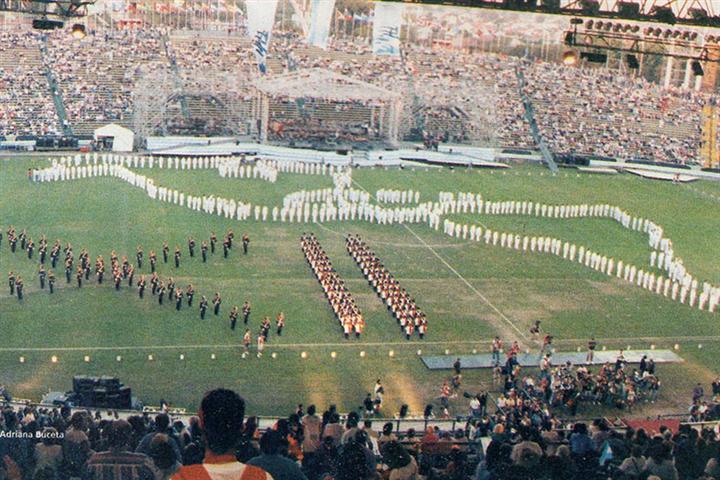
449	95
597	111
220	442
97	74
26	104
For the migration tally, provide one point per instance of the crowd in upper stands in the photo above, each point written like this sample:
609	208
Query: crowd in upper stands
57	443
97	74
596	111
26	104
448	96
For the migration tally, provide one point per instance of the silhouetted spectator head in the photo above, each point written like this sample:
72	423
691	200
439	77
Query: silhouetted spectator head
221	418
118	434
272	442
162	422
162	452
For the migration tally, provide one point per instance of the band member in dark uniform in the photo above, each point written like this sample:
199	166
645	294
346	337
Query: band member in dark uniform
177	256
246	312
41	275
226	246
154	283
213	241
51	281
204	250
139	256
203	307
68	269
19	287
245	243
234	313
265	328
165	251
280	321
171	288
55	254
216	303
178	298
125	266
11	283
141	286
153	261
189	294
161	293
79	276
191	246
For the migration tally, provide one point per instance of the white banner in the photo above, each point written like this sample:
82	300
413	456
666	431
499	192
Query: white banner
386	28
260	20
321	14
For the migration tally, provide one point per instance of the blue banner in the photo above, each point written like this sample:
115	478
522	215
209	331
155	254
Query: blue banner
260	20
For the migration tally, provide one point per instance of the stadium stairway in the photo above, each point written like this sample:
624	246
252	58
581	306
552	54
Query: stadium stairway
55	90
165	41
547	155
708	148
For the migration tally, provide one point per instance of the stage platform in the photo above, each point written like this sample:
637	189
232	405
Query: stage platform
598	170
484	360
667	177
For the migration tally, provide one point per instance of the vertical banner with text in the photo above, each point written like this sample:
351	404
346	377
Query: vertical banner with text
321	15
386	28
260	20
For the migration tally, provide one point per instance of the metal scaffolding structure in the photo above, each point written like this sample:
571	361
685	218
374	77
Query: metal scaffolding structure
154	91
218	103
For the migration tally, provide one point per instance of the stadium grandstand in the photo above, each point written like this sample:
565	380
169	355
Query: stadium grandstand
359	240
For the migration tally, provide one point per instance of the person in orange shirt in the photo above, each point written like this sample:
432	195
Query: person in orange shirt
221	420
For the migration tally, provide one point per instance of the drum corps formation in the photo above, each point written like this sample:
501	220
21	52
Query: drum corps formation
340	299
396	298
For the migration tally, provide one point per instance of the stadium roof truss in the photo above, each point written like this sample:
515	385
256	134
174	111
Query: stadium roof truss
684	12
324	85
58	8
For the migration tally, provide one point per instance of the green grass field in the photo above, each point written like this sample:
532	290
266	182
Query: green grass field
573	302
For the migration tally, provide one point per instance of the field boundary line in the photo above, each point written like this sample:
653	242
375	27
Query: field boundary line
415	343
